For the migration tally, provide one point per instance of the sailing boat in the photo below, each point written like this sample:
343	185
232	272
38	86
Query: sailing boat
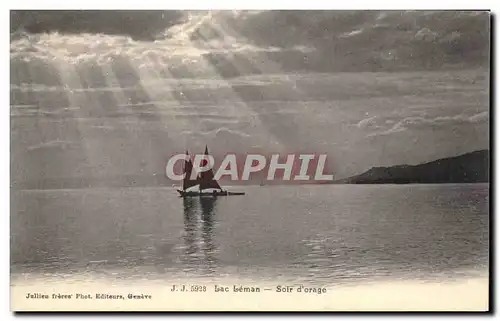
205	180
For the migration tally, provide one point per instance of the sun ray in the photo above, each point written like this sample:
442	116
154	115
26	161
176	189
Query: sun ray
118	96
264	126
236	107
233	104
270	68
78	102
162	102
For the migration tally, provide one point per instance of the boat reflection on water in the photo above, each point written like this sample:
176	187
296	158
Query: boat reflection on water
208	231
199	219
190	226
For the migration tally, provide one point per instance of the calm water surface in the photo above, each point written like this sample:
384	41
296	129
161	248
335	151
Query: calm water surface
335	233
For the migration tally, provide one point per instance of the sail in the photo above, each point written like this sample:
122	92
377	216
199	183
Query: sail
188	169
206	179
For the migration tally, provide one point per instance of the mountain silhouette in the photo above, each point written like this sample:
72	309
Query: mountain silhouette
468	168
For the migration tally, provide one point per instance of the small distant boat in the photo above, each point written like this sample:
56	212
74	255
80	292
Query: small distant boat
205	180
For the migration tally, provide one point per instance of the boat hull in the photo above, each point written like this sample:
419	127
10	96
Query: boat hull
217	193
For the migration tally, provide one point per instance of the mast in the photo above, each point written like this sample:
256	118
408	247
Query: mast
206	178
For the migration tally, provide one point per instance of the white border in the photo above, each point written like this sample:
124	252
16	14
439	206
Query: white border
258	5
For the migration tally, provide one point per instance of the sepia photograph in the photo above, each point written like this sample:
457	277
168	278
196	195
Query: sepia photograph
232	160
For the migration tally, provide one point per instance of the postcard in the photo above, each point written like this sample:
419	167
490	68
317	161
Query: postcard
250	160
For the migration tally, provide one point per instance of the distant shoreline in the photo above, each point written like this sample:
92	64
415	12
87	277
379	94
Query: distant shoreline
471	167
468	168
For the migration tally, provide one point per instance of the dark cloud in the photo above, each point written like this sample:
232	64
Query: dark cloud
369	40
141	25
335	40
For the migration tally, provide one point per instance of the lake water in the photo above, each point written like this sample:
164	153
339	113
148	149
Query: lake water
322	234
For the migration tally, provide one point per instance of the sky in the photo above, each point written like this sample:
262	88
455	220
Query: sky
109	94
